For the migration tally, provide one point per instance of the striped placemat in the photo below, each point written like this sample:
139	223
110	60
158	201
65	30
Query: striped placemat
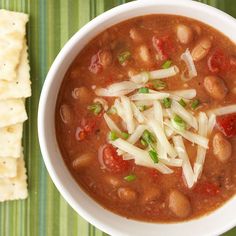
52	23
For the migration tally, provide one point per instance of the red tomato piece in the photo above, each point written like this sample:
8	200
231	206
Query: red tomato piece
218	61
227	124
87	127
207	188
95	65
163	46
113	162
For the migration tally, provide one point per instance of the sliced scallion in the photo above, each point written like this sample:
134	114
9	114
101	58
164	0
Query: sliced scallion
130	177
182	102
166	102
96	108
124	135
112	136
143	142
195	103
166	64
124	56
153	154
142	107
178	123
159	85
148	137
143	90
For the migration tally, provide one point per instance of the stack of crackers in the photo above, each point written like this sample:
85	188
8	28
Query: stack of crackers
14	88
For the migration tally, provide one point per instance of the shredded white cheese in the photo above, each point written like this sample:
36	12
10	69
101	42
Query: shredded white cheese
201	152
158	114
137	114
184	94
182	153
117	89
187	58
140	156
190	136
223	110
163	73
160	135
211	124
184	114
149	96
128	114
111	124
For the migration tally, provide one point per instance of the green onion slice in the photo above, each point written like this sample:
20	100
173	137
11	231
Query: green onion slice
178	123
96	108
124	56
143	142
130	177
124	135
149	138
166	102
195	103
153	154
166	64
159	85
182	102
142	107
112	136
143	90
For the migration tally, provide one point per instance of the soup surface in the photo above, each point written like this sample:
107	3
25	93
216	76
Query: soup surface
145	118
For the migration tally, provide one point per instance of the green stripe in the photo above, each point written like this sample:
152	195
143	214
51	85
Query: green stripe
52	22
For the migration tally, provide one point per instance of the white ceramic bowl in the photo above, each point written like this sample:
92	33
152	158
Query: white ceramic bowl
214	224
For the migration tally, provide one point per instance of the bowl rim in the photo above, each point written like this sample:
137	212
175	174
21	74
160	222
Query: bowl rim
48	84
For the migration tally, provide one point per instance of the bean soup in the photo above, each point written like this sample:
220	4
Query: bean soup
146	118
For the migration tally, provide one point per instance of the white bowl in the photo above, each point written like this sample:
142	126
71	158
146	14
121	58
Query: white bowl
214	224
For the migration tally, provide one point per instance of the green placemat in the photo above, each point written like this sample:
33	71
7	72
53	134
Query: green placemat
52	23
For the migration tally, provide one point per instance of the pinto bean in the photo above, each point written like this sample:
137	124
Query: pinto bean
135	35
105	57
82	161
216	87
201	49
150	195
144	54
112	180
82	94
184	34
222	148
179	204
127	194
66	114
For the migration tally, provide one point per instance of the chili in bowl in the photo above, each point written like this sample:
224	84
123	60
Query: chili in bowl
144	112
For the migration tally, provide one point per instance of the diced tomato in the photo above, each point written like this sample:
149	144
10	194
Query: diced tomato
87	127
207	188
218	62
227	124
163	46
113	162
95	65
